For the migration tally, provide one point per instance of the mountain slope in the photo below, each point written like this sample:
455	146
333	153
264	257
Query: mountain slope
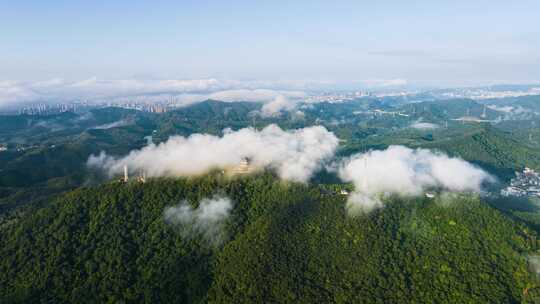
285	243
492	149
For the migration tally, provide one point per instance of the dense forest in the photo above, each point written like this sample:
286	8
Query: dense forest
282	242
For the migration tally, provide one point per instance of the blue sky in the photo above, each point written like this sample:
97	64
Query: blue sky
424	42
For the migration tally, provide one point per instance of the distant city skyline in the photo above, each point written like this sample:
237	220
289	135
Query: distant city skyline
425	43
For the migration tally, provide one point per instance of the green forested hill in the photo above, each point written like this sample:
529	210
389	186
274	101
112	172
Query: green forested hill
284	242
492	149
48	153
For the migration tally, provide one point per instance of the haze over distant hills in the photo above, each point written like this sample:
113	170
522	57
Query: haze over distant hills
16	94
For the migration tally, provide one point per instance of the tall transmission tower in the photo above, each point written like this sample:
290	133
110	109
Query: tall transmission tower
484	114
126	177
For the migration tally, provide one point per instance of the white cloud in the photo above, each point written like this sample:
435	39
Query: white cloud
505	109
254	95
12	92
513	112
206	220
424	125
295	154
401	170
517	110
116	124
381	83
274	101
274	107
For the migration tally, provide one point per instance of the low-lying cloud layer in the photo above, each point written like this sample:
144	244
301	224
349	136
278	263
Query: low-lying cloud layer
116	124
513	112
276	106
295	154
404	171
419	125
181	92
14	94
206	220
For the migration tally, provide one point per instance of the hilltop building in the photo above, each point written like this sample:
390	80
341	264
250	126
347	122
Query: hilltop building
244	167
142	177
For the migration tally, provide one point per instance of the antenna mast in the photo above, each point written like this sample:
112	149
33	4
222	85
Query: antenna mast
126	177
364	179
